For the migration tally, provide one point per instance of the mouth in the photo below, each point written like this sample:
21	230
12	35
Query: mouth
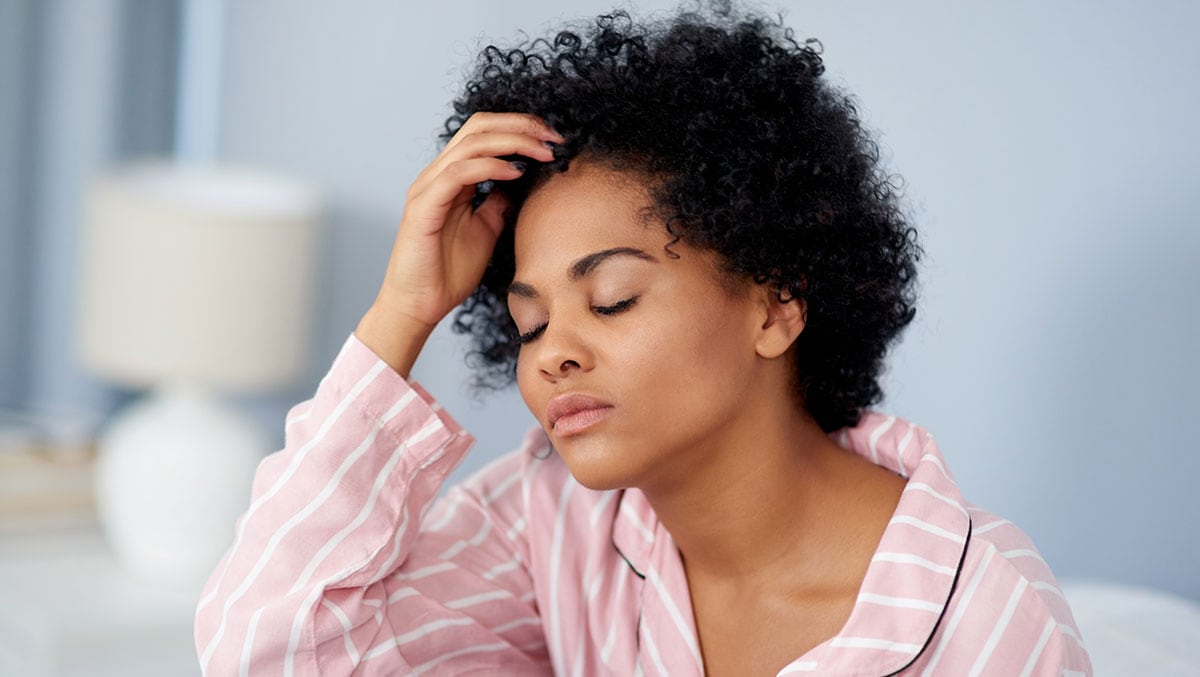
570	414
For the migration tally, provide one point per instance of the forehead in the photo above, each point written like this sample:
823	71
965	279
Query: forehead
582	210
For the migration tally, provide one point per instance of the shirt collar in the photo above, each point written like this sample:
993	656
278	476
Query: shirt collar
915	566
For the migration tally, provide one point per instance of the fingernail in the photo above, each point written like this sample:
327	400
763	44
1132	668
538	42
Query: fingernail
519	165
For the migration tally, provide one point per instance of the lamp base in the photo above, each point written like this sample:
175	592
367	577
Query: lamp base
173	473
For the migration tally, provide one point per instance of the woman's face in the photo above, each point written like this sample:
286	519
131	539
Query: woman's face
607	314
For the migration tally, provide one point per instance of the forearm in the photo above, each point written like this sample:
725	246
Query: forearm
338	507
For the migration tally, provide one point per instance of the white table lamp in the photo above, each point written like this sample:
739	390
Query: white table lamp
196	279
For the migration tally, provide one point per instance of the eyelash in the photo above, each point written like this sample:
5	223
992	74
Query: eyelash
615	308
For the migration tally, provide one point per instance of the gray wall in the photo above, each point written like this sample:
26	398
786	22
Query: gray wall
1050	155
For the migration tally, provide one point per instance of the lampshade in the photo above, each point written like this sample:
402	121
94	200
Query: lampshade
197	273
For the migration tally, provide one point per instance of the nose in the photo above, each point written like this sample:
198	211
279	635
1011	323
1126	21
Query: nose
561	350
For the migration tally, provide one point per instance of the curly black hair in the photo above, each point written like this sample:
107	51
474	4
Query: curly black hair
747	152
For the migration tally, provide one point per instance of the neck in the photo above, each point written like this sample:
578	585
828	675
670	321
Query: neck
765	505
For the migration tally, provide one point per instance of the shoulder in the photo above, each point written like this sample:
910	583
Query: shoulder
1015	557
1008	610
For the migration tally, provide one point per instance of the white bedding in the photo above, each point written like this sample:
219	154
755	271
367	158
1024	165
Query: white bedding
1136	631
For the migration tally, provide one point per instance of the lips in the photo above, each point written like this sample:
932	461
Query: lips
576	409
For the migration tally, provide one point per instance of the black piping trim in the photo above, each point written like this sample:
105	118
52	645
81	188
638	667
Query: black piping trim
613	539
953	587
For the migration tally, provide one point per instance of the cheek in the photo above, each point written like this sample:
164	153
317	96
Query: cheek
525	385
688	355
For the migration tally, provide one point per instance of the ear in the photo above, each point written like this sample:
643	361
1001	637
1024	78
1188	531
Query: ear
784	319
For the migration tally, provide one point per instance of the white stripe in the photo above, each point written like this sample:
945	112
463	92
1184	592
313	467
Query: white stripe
627	510
458	547
1070	632
1001	625
499	646
433	626
593	588
388	564
517	528
926	526
876	434
244	668
424	433
577	669
874	643
1038	648
899	602
369	506
453	499
1022	552
289	658
499	490
401	594
991	525
299	417
556	555
909	558
532	620
279	482
1049	587
482	597
676	617
610	641
959	611
937	462
346	627
653	650
502	568
802	666
600	505
902	448
921	486
425	572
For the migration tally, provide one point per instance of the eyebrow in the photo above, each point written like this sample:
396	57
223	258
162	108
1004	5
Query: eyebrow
582	267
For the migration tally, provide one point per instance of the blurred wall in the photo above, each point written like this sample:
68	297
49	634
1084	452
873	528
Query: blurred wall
1049	155
82	85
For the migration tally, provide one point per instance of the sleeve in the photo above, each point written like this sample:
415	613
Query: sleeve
337	568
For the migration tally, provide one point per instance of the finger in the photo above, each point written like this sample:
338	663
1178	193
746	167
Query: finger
491	144
517	123
441	193
481	145
491	212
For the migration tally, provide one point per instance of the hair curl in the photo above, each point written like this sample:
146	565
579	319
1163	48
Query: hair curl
751	154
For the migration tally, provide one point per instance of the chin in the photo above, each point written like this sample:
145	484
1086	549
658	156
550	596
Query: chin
595	466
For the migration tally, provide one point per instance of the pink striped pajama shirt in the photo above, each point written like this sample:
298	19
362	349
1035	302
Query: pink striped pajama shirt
347	562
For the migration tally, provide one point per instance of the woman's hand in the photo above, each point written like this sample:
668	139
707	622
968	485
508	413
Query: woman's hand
443	244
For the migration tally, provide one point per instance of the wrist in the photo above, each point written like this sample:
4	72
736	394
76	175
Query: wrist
396	338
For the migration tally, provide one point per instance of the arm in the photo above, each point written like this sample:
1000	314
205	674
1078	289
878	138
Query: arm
330	572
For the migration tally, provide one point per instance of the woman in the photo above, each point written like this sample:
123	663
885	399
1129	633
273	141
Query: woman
678	242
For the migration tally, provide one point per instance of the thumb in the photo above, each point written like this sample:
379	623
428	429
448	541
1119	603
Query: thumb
492	212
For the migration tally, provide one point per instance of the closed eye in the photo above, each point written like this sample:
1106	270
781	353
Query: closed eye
616	307
530	335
